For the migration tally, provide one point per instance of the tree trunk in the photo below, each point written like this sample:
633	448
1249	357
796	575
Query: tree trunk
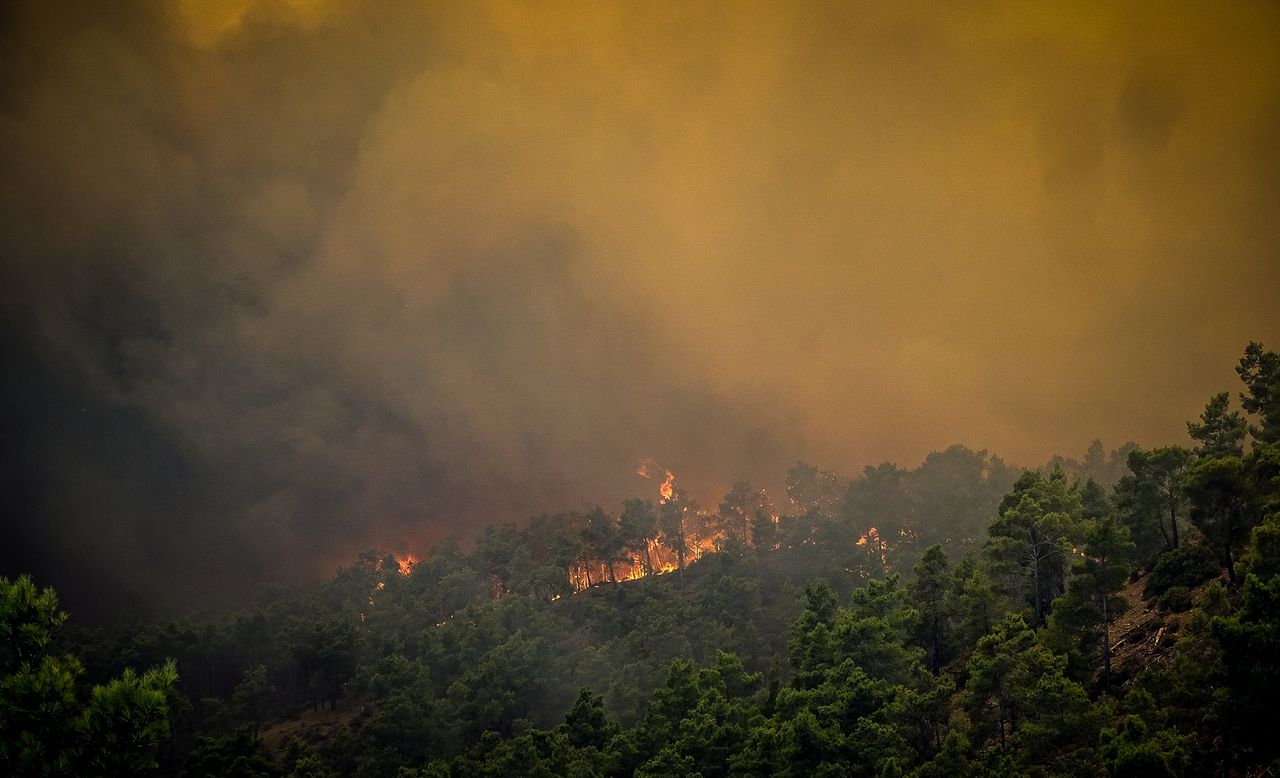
1163	533
1106	645
1173	521
933	655
1035	594
1227	525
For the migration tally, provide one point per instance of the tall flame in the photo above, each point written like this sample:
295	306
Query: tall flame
667	489
406	563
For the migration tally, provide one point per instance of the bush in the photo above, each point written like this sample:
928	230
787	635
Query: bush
1177	599
1187	566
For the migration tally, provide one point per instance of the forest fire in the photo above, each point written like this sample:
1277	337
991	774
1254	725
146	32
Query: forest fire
656	559
406	563
667	488
647	537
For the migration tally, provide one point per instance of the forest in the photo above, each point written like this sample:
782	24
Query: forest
1118	615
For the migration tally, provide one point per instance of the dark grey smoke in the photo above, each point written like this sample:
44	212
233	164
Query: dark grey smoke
284	280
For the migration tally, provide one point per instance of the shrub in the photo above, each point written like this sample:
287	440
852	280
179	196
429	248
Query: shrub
1187	566
1176	599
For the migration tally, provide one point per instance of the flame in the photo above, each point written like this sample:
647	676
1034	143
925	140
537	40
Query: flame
667	489
406	563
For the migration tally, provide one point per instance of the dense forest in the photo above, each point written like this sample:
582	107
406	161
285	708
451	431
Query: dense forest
1118	615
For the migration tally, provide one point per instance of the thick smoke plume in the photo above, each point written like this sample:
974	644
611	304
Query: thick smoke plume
284	279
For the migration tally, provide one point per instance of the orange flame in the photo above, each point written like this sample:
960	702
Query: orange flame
667	489
406	563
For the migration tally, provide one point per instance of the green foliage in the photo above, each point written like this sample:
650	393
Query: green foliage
29	619
40	717
1221	502
1176	599
1080	625
237	755
1260	372
1020	697
1187	566
1151	501
126	722
46	726
1263	557
969	634
1137	748
586	725
1220	431
1250	642
936	610
1031	539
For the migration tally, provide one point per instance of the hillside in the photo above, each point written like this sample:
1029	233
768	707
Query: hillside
951	620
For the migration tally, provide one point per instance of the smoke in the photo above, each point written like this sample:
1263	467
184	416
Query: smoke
286	279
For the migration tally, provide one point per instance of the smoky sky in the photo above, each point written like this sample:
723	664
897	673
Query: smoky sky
287	279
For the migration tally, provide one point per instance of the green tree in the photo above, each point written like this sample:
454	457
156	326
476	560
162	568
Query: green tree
1030	539
999	677
812	489
812	644
1091	604
40	716
252	696
602	541
1220	431
637	529
741	505
586	725
1165	468
931	597
127	721
879	501
1093	501
671	524
46	728
239	754
1249	642
1219	489
1260	372
1017	688
29	620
